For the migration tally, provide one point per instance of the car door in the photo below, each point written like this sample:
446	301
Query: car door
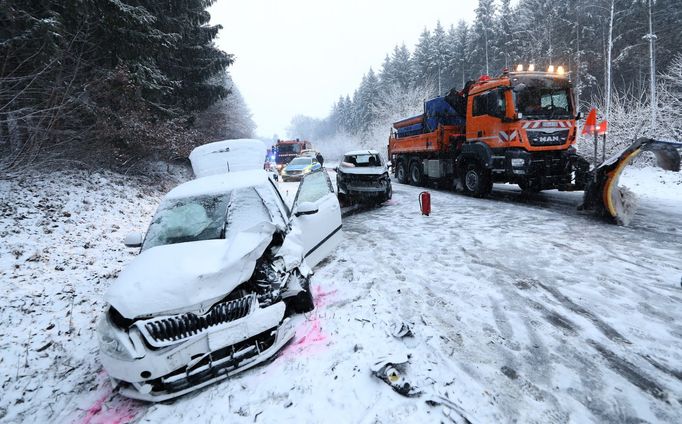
316	217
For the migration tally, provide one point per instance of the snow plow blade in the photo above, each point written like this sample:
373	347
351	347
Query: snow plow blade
606	198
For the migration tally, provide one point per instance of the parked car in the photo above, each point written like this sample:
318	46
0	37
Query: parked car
300	167
224	267
362	176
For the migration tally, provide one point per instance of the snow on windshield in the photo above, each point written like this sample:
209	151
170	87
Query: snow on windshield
191	219
208	217
246	209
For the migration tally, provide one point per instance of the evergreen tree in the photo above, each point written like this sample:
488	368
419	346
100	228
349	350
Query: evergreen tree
484	52
422	65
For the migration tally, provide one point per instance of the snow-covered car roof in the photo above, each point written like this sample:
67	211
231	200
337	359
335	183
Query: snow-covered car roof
361	152
227	156
220	183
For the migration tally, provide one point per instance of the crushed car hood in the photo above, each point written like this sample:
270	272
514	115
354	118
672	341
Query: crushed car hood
173	278
363	170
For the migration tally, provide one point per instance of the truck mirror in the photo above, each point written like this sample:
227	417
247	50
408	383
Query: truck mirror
579	116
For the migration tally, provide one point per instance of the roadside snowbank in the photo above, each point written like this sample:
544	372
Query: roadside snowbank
62	247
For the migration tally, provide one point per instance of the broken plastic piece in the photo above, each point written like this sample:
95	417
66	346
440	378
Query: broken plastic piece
401	329
391	370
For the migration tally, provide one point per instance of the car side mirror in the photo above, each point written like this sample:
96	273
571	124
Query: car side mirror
133	240
336	169
306	208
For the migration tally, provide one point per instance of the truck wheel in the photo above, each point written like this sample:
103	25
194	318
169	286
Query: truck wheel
526	187
416	173
477	181
401	172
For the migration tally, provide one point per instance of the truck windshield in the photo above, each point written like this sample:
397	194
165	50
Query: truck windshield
288	148
543	102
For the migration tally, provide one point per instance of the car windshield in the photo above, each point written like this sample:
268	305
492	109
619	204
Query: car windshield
191	219
207	217
301	161
288	148
363	160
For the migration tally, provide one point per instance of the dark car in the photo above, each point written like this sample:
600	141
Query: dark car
362	177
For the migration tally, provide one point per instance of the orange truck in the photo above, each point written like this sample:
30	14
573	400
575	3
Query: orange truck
517	128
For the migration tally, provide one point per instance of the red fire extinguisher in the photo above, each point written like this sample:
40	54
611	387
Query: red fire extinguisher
425	202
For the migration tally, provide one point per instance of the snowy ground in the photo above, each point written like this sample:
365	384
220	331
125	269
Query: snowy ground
522	309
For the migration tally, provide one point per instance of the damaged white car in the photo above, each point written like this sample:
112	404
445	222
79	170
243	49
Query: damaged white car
223	268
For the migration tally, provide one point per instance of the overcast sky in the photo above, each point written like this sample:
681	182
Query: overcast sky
297	56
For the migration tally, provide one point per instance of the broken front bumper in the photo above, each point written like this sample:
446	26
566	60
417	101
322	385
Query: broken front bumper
366	187
157	374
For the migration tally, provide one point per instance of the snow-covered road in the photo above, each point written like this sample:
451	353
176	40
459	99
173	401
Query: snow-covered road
523	310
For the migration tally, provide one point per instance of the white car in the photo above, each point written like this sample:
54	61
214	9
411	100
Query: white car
223	269
362	176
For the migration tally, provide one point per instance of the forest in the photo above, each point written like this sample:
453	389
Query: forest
112	82
601	43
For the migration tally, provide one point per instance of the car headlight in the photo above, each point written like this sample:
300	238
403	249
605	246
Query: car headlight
518	162
109	342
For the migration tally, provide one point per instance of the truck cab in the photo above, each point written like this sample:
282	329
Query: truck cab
533	111
521	127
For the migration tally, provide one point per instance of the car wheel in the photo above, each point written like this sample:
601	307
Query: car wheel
343	200
389	192
477	181
401	172
416	174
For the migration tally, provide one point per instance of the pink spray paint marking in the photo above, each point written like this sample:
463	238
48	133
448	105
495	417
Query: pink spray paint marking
320	297
109	408
309	335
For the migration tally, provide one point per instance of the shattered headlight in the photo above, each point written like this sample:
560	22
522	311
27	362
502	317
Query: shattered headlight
109	342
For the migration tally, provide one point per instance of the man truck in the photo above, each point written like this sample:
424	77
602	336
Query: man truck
517	128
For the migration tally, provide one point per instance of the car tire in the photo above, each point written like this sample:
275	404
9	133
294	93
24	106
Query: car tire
416	174
401	172
476	180
389	193
343	200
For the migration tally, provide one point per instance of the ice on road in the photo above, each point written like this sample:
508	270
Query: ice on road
521	309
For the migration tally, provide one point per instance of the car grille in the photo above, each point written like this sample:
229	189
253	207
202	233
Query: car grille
360	180
293	172
169	330
542	138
